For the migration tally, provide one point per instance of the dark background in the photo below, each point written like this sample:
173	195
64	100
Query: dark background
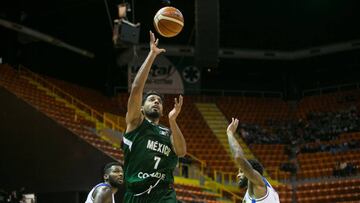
284	25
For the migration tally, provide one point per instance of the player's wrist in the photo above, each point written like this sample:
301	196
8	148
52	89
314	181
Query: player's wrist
172	121
153	53
230	133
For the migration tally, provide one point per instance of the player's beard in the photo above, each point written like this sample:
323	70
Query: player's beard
243	182
114	183
152	114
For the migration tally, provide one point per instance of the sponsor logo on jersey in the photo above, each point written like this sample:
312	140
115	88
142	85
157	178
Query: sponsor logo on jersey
157	146
144	175
164	131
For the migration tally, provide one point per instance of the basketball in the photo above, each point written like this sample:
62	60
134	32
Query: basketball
168	21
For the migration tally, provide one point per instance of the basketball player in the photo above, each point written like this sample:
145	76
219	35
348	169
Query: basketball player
104	192
151	150
250	173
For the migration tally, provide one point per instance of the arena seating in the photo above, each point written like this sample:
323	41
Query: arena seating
321	164
329	191
57	110
331	102
272	156
191	193
94	98
254	110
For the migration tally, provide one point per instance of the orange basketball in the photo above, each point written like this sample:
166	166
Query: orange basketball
168	21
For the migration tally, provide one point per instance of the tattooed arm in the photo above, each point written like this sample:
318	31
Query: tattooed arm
253	176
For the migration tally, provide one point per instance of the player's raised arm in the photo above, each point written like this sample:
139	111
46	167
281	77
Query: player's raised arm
239	157
178	140
133	115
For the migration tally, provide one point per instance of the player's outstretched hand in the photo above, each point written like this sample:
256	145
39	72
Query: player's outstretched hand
177	108
154	43
233	126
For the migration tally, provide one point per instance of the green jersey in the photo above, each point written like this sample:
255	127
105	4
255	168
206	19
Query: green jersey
149	158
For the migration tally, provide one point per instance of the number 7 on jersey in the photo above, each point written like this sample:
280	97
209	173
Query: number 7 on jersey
157	161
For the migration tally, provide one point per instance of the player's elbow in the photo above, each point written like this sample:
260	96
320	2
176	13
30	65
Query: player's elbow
181	152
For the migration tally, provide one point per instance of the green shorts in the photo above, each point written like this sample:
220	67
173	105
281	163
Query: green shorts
157	195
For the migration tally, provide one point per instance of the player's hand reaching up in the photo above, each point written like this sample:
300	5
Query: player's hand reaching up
177	108
153	44
233	126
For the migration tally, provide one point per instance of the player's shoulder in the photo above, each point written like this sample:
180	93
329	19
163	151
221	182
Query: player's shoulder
133	127
103	189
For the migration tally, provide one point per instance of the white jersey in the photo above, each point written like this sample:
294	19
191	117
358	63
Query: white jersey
90	198
270	197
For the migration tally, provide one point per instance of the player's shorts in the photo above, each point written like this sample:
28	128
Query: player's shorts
160	194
